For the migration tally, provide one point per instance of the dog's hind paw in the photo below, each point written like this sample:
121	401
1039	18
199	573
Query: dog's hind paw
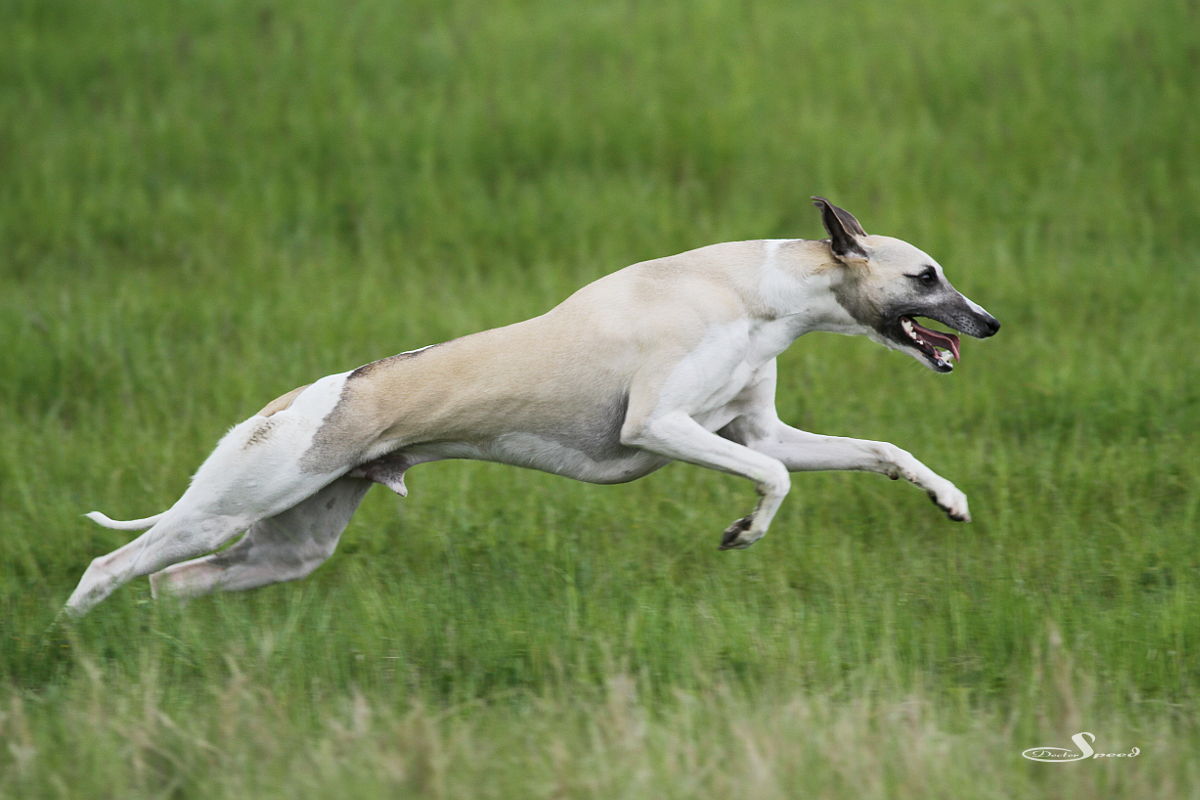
738	536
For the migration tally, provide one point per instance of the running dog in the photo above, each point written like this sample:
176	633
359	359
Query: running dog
665	360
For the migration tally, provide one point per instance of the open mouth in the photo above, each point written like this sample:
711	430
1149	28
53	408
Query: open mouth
936	346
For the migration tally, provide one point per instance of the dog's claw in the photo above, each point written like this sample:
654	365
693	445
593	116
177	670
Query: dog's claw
732	538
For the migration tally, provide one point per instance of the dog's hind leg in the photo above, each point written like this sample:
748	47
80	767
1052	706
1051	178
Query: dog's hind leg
285	547
256	471
261	468
294	542
176	536
222	501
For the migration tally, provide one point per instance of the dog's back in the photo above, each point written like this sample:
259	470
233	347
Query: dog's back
565	372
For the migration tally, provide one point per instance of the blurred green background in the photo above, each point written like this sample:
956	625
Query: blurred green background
203	205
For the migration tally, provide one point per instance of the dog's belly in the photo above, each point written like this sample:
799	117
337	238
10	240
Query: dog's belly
613	464
588	454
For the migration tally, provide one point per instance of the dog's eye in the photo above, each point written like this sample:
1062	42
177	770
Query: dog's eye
927	276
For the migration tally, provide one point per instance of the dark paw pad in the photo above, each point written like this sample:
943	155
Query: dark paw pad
729	540
960	517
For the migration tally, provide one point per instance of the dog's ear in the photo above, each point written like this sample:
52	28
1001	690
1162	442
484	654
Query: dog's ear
843	230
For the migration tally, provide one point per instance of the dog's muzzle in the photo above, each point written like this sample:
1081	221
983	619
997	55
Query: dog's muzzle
941	349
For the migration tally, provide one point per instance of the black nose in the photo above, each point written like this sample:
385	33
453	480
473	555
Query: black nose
991	326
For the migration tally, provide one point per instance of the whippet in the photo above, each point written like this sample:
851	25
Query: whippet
665	360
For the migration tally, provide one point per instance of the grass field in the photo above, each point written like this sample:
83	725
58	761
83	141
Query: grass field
203	205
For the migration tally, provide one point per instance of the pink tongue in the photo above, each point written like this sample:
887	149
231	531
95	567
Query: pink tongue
939	339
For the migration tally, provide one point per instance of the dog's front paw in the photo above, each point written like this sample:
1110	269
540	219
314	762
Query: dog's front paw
949	499
740	535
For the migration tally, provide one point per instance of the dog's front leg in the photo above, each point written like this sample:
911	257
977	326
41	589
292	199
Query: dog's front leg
801	451
678	436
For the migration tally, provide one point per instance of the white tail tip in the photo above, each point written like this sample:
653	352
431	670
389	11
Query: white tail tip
123	525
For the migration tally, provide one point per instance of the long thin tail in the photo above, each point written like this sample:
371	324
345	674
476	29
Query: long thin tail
123	525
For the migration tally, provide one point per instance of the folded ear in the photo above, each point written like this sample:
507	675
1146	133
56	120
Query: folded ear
844	231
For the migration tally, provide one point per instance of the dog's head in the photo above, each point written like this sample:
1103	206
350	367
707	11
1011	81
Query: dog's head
888	283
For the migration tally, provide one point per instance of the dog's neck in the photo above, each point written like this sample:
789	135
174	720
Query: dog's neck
798	287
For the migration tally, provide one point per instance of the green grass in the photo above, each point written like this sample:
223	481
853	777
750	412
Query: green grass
203	205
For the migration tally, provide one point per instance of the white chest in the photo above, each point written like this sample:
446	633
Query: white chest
728	359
